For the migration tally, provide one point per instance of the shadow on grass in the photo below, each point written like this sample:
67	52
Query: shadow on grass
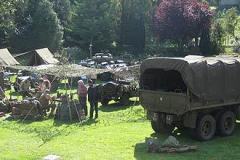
117	106
26	119
59	123
220	145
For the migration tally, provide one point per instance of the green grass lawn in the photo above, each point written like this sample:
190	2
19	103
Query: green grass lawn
119	133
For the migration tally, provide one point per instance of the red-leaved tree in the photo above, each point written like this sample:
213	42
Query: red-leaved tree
181	20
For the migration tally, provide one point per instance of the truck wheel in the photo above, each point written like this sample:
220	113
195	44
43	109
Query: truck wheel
155	127
226	124
124	100
206	128
105	102
159	126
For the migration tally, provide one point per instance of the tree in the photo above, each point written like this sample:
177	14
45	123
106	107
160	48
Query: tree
132	25
63	10
93	22
230	22
181	20
39	27
7	12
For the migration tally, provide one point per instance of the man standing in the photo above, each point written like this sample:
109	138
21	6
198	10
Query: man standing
93	99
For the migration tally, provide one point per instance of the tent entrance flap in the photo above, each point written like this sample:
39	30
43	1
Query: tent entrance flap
161	80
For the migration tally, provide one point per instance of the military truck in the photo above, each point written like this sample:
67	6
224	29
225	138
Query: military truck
119	91
196	93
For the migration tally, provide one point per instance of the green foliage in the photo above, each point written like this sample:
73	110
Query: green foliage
217	36
230	21
93	22
134	15
7	10
63	9
38	28
225	28
117	25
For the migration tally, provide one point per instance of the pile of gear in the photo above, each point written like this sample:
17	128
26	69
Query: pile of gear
170	145
69	110
27	109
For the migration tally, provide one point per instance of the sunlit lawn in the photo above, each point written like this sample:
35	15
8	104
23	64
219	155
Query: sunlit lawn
118	134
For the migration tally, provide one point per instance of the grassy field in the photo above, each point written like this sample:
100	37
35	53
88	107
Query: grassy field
119	133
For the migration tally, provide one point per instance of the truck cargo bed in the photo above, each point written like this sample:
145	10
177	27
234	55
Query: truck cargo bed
166	102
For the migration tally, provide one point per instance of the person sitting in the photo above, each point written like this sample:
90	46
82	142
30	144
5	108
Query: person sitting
3	105
2	94
25	88
47	82
46	102
43	85
40	85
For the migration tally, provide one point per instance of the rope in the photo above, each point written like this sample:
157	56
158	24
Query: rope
78	114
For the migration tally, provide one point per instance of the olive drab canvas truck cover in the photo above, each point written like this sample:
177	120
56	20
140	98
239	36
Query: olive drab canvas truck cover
208	78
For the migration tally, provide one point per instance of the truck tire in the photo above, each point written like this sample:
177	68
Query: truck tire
124	100
159	126
105	102
227	123
206	128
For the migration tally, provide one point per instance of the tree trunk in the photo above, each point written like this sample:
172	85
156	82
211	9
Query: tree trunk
196	41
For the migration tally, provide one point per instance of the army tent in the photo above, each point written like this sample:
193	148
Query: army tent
6	58
42	56
209	78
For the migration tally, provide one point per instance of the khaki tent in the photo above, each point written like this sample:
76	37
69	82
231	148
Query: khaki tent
209	78
42	56
6	58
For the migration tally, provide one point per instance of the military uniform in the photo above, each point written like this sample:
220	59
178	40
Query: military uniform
93	100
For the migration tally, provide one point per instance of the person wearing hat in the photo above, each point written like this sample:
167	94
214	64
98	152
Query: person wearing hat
93	99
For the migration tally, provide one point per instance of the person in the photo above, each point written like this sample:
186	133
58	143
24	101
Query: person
25	87
40	86
2	79
82	96
46	81
2	94
45	101
93	99
3	105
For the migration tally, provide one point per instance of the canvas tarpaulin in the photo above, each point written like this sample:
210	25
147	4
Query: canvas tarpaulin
70	71
209	78
6	58
42	56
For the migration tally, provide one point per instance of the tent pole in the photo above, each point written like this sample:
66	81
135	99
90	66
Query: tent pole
35	59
